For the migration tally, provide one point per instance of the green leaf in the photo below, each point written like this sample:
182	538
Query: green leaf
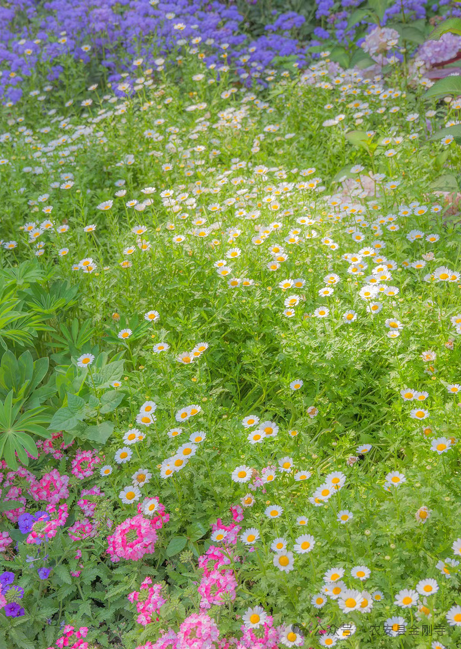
379	7
452	25
8	505
356	17
410	33
196	531
444	87
63	573
359	139
361	59
450	130
446	183
111	400
75	403
176	544
340	55
110	372
63	419
99	434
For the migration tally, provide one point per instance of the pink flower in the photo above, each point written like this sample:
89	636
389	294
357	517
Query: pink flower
136	536
237	511
84	463
268	640
81	530
213	558
198	632
213	585
42	529
5	541
52	487
166	640
148	606
380	40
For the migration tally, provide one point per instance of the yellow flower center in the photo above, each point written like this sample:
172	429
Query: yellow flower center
284	561
407	600
350	602
242	474
251	538
291	637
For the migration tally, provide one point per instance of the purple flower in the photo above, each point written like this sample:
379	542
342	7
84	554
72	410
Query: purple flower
6	578
13	610
43	573
25	522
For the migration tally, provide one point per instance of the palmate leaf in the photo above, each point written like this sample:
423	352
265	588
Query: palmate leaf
15	442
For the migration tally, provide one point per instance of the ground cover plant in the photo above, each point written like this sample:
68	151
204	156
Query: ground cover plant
230	322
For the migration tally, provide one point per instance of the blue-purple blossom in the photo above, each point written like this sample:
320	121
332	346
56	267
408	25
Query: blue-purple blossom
43	573
6	578
13	610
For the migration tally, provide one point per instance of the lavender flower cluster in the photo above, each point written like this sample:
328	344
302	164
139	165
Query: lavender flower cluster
119	35
38	38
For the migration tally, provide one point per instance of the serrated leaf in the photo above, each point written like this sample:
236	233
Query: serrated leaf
63	573
8	505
